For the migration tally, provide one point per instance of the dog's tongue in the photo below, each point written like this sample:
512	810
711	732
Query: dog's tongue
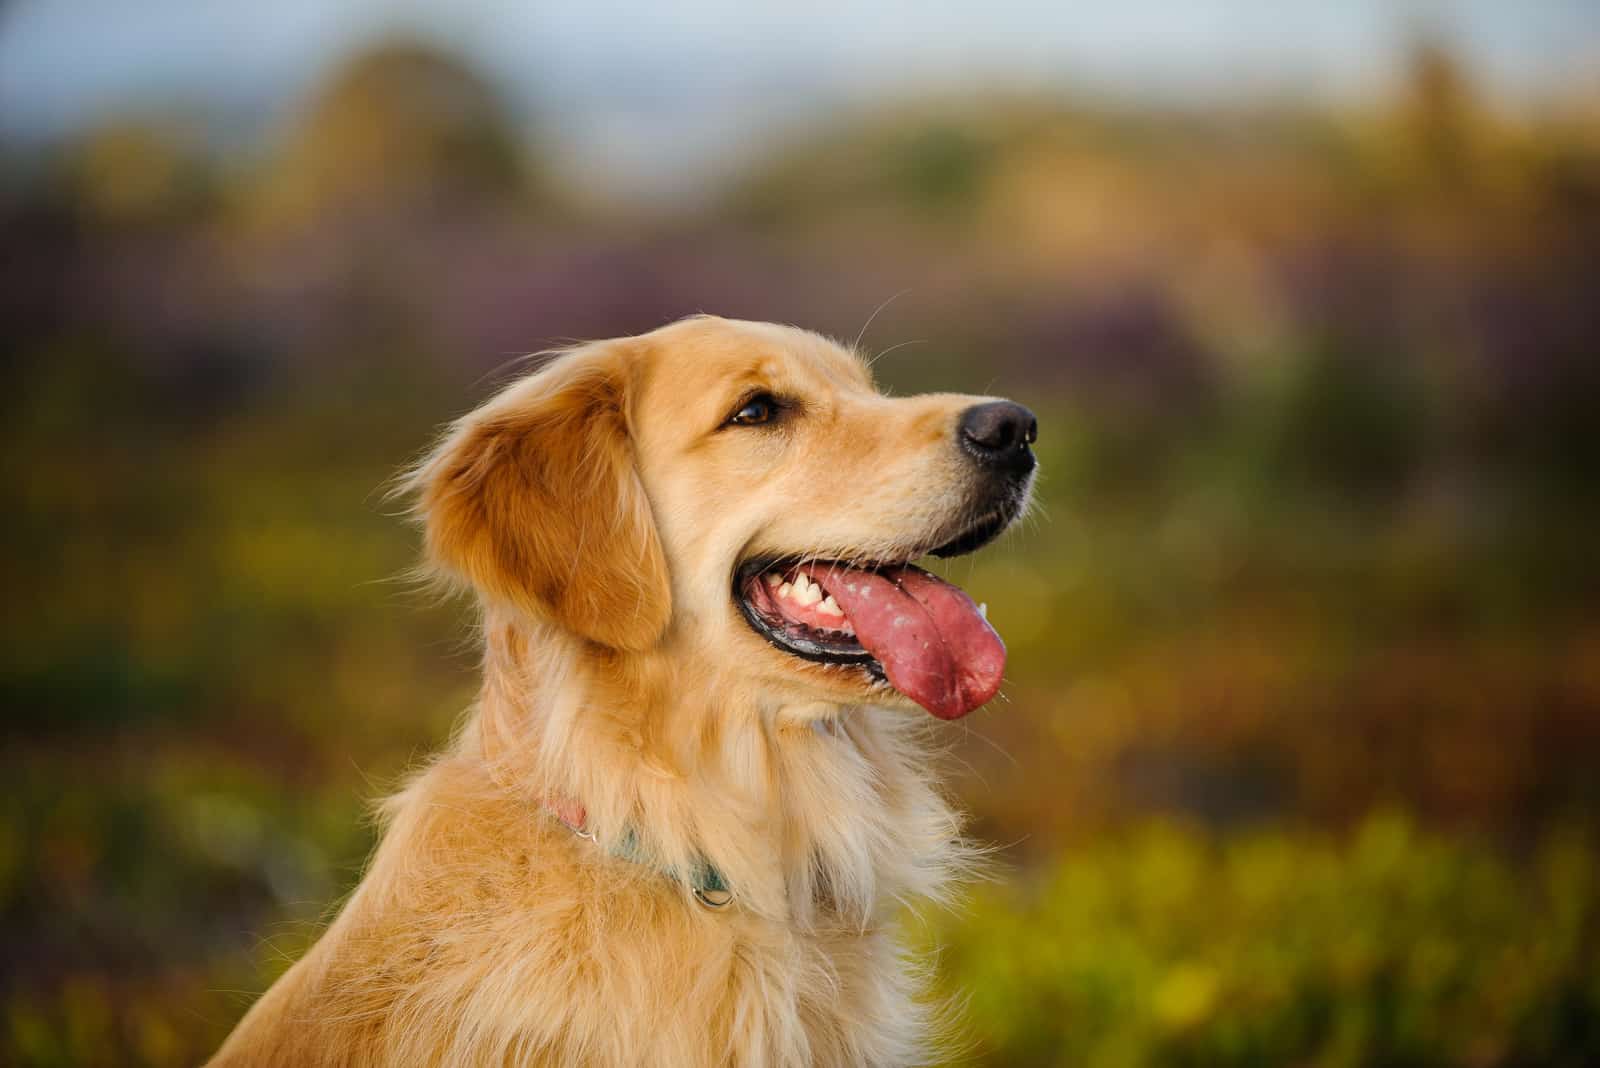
933	643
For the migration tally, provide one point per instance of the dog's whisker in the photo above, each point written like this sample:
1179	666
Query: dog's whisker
856	344
873	362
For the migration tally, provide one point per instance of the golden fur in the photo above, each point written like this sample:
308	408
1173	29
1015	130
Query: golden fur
599	507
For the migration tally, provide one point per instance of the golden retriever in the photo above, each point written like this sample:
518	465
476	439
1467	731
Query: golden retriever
678	823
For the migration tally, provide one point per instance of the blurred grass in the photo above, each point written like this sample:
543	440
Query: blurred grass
1162	945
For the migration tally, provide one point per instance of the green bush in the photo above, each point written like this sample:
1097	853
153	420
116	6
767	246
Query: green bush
1166	947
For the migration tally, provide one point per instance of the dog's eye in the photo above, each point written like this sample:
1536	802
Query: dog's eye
754	411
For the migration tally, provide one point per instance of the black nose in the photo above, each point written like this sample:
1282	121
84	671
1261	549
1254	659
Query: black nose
998	434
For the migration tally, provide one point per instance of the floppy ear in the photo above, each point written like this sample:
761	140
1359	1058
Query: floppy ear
535	500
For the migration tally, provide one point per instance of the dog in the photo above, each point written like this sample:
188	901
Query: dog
679	824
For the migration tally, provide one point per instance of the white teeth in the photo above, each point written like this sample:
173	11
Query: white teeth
804	591
983	609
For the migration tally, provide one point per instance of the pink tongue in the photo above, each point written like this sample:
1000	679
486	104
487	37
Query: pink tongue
930	638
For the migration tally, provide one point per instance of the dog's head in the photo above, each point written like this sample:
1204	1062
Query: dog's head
739	495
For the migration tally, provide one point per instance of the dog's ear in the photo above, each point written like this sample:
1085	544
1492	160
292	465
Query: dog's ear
534	499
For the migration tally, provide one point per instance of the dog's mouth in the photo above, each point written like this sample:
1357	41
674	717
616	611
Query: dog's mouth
898	623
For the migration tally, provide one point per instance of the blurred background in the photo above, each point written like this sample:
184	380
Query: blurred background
1297	761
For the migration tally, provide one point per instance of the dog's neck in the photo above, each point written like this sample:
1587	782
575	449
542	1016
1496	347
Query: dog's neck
819	827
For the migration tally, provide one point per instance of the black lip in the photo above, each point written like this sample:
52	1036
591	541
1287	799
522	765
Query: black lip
981	531
976	536
796	644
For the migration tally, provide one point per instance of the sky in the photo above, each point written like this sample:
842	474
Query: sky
694	80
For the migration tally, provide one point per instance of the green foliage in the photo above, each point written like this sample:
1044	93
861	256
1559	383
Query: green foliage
404	119
1394	947
1340	421
939	169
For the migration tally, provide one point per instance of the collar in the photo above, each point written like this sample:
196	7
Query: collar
705	881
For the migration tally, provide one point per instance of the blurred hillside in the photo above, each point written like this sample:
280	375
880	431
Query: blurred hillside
1313	572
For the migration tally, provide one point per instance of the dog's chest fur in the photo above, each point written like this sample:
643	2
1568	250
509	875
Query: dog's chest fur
486	932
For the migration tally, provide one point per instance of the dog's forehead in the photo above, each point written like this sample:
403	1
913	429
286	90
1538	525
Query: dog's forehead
716	356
